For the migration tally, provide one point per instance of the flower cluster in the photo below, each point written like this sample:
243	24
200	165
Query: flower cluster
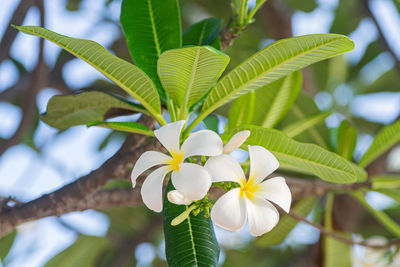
249	200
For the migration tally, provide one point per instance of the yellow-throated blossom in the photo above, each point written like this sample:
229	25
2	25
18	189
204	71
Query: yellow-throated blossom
191	181
235	142
251	200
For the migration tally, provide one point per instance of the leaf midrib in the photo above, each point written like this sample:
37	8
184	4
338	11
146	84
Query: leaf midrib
314	132
268	122
191	80
222	100
192	239
153	28
282	154
72	114
313	162
202	33
30	30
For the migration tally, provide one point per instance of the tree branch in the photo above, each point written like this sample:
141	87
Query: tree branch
10	33
83	194
67	197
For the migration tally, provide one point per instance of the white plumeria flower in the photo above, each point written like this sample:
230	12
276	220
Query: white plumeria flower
191	180
235	142
250	200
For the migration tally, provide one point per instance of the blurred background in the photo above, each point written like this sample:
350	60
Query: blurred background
363	86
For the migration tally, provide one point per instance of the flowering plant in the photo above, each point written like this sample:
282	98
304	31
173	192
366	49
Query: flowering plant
177	82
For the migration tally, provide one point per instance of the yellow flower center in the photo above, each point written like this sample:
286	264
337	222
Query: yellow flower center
248	188
177	158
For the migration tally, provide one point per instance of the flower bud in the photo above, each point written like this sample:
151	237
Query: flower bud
236	141
176	197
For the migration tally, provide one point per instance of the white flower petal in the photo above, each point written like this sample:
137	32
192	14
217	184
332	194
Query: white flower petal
191	180
262	163
178	198
236	141
262	216
224	168
169	135
229	212
147	160
277	191
202	143
152	189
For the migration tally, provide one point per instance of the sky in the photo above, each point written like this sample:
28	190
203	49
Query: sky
74	152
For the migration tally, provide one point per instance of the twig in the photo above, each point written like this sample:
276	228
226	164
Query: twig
9	35
228	34
29	104
336	235
381	35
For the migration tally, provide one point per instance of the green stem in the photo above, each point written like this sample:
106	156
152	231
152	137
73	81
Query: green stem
381	216
242	13
171	109
159	118
328	211
183	113
254	10
194	123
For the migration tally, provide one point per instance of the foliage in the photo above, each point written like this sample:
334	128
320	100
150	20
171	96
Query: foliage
322	163
267	91
192	242
6	243
336	253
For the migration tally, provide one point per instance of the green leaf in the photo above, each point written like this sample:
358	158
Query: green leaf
187	74
300	126
211	122
371	52
64	111
387	82
336	253
274	100
73	5
273	62
125	126
347	139
390	192
347	17
242	110
382	217
337	72
302	109
304	5
365	126
151	27
216	43
129	77
325	164
6	243
204	32
192	242
385	139
385	181
85	252
286	224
